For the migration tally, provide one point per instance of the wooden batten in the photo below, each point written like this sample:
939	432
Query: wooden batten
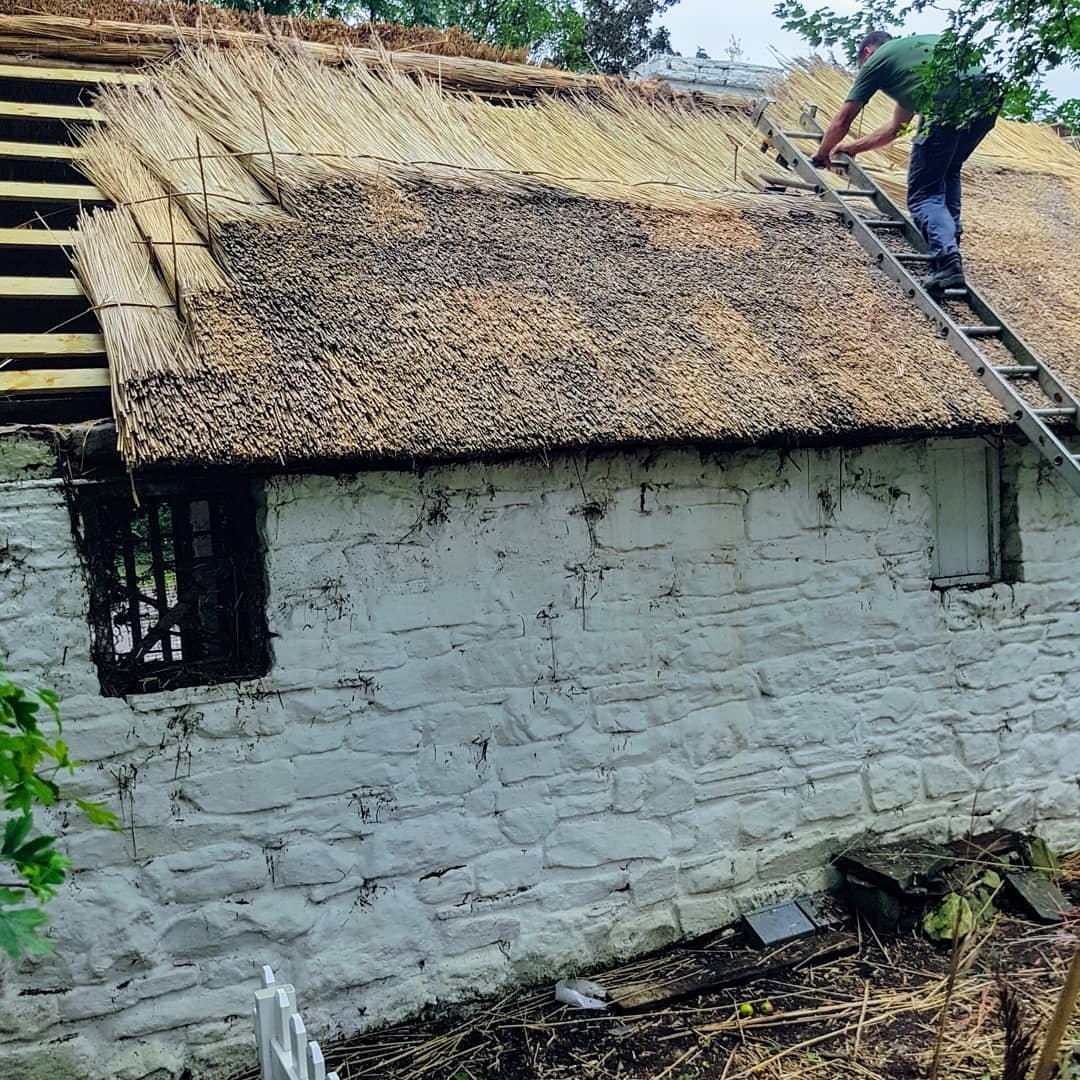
41	345
39	288
38	238
54	379
53	72
36	110
40	151
39	192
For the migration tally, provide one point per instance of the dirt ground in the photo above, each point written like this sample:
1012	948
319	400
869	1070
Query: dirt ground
874	1013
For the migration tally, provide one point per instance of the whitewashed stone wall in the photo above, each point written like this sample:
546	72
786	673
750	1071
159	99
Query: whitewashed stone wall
520	716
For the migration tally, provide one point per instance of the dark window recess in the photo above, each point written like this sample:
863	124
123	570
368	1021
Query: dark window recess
177	590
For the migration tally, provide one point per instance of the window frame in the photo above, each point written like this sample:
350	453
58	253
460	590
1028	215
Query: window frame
993	508
234	567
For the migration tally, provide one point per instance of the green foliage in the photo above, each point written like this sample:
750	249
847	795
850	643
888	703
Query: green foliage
1016	41
824	28
29	764
605	35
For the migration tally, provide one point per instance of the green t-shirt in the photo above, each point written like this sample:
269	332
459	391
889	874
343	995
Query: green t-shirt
897	69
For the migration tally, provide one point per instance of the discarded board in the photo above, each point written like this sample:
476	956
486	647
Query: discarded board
715	976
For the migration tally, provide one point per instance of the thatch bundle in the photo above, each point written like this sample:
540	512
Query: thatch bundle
136	315
179	250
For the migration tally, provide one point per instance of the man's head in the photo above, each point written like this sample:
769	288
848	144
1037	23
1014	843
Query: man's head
870	45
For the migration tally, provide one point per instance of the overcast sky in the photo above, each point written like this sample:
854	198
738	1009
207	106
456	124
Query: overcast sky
711	23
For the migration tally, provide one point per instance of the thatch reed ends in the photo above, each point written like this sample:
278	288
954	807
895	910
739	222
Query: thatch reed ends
180	252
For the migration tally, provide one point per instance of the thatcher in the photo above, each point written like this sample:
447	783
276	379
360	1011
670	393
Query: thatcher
339	262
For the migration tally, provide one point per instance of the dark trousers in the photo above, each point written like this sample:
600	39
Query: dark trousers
934	180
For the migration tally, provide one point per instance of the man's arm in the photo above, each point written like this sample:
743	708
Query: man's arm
842	121
884	134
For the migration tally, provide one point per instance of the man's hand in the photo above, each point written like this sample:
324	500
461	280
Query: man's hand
826	163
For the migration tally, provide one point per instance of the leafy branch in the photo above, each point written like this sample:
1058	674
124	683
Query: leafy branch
1016	41
29	763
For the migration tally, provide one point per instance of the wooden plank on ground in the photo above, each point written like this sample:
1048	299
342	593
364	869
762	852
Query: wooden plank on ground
40	151
54	379
38	238
66	74
39	191
38	110
27	345
35	288
712	975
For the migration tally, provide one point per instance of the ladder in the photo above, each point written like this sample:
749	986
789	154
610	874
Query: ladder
881	218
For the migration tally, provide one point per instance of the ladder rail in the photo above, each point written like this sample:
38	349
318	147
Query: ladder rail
1023	415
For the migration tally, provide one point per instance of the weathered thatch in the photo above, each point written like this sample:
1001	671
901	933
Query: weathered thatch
210	18
442	277
1021	212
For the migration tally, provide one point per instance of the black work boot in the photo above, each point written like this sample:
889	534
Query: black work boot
948	274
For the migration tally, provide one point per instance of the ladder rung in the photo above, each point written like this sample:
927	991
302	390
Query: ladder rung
36	110
980	331
1064	410
854	192
882	223
911	256
1008	370
815	135
29	191
35	238
956	294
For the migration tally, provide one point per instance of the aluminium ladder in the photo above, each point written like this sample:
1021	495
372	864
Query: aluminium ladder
1002	380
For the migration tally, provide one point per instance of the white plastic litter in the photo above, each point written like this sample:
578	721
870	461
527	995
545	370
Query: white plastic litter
581	994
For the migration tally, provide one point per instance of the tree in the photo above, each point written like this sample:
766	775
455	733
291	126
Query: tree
619	34
29	764
611	36
1016	41
701	54
734	49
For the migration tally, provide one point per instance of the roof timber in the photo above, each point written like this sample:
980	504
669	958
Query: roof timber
39	345
38	288
37	110
54	379
40	151
65	74
38	238
37	191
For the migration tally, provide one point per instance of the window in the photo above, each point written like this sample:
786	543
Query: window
965	485
176	585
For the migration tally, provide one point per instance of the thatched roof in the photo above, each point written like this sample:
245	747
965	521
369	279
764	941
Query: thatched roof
366	268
